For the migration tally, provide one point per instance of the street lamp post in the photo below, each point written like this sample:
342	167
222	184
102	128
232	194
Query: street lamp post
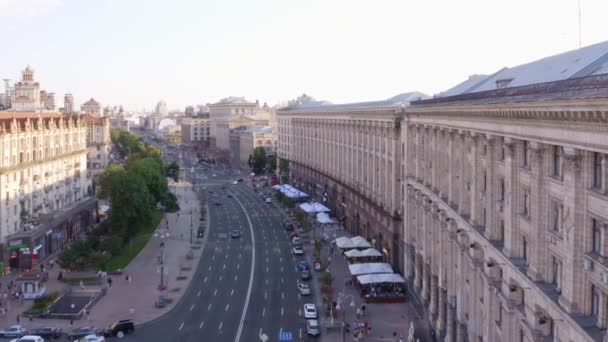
162	236
341	303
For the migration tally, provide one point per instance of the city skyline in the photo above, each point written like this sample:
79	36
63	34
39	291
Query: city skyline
271	52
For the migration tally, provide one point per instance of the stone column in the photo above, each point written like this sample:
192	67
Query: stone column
452	169
460	332
539	212
419	269
426	290
450	326
433	306
441	316
512	198
492	229
475	218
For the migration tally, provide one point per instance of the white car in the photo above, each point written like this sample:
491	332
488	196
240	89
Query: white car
312	327
304	289
13	331
29	338
297	250
310	311
268	200
91	338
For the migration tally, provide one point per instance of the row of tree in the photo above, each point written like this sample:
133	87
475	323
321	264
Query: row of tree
259	161
136	192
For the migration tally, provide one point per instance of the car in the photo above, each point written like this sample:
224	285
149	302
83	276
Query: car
305	274
229	196
13	331
47	332
214	175
295	241
91	338
317	265
29	338
312	327
310	311
125	326
235	234
268	200
297	250
288	226
240	180
217	204
82	332
303	265
235	182
304	289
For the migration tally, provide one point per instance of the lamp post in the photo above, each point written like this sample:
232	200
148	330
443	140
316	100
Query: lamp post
341	303
162	236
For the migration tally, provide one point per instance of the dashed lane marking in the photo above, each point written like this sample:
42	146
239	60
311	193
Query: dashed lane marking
181	326
201	326
231	292
192	307
198	294
215	292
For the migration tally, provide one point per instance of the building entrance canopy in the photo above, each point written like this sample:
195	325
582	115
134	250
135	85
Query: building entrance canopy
370	268
314	207
290	191
380	278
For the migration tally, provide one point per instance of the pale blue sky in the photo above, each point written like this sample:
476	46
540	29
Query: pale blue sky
136	52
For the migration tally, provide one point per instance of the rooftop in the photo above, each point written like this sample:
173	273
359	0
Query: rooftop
402	100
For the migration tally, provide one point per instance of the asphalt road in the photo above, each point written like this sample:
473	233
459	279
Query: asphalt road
220	304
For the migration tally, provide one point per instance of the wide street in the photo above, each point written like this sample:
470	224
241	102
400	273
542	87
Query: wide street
243	287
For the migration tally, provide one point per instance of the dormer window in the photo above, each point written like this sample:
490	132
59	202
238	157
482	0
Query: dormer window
503	83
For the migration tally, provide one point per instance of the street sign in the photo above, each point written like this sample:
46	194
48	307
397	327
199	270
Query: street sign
285	336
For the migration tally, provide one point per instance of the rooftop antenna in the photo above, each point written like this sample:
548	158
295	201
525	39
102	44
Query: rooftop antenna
579	25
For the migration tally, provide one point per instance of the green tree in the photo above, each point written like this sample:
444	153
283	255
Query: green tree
151	171
259	160
172	170
108	179
272	163
284	170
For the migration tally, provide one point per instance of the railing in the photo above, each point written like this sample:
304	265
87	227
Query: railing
580	83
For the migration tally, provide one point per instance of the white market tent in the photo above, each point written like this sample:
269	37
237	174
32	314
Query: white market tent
277	187
319	208
292	192
355	253
344	242
370	268
324	218
360	242
367	279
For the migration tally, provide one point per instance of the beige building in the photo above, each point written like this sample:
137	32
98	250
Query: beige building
68	103
91	107
228	107
45	190
120	123
195	130
98	143
27	93
244	140
225	124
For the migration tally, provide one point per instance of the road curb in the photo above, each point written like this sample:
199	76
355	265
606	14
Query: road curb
203	246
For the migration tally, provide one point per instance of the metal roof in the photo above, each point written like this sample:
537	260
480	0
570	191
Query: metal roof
586	61
402	99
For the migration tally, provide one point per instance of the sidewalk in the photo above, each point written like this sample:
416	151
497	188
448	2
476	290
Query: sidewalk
384	319
140	293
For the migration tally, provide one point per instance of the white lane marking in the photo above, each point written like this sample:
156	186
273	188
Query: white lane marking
198	294
231	292
181	326
282	311
266	269
300	312
201	326
260	333
265	294
221	277
237	266
282	295
205	280
236	277
299	296
300	333
281	268
240	330
227	306
210	267
192	307
220	327
266	281
281	332
215	292
263	312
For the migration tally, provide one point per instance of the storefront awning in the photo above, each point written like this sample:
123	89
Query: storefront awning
16	247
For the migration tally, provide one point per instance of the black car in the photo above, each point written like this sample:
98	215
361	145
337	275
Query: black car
47	332
217	204
126	326
288	226
240	180
82	332
305	274
235	234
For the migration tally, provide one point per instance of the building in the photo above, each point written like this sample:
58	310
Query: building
44	97
50	101
225	124
98	143
504	179
91	107
68	104
46	193
195	130
252	137
161	109
190	111
348	157
121	124
27	93
173	134
229	106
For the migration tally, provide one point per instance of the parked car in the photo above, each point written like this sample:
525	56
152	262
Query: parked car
13	331
303	265
310	311
235	234
297	250
268	200
82	332
126	326
312	327
47	332
288	226
305	274
304	289
317	265
91	338
296	241
29	338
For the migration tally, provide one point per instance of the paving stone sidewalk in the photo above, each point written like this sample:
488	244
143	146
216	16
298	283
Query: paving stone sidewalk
138	294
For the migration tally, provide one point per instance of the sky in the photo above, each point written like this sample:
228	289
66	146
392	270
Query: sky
137	52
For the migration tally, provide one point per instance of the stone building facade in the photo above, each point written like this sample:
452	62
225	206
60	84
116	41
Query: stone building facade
98	143
506	211
91	107
348	157
45	190
195	130
226	124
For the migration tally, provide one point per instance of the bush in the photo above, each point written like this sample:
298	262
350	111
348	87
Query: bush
41	304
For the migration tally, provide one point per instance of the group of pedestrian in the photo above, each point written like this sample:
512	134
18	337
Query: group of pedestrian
362	329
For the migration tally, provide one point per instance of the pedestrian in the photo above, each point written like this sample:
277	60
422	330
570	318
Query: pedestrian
71	321
52	262
18	319
109	282
31	319
362	310
41	267
358	313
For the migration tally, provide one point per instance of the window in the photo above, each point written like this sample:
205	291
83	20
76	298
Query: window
556	216
526	154
503	152
499	315
557	161
556	273
596	232
484	149
484	184
501	230
526	204
595	301
597	170
524	244
502	189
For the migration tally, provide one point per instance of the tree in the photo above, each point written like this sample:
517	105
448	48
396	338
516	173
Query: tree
272	163
151	171
259	160
284	170
172	170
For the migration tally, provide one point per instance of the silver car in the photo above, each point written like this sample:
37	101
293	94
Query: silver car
312	327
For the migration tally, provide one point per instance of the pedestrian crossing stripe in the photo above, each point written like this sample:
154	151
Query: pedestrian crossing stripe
285	336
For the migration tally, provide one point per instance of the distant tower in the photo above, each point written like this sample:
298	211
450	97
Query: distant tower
68	103
7	93
161	108
50	101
